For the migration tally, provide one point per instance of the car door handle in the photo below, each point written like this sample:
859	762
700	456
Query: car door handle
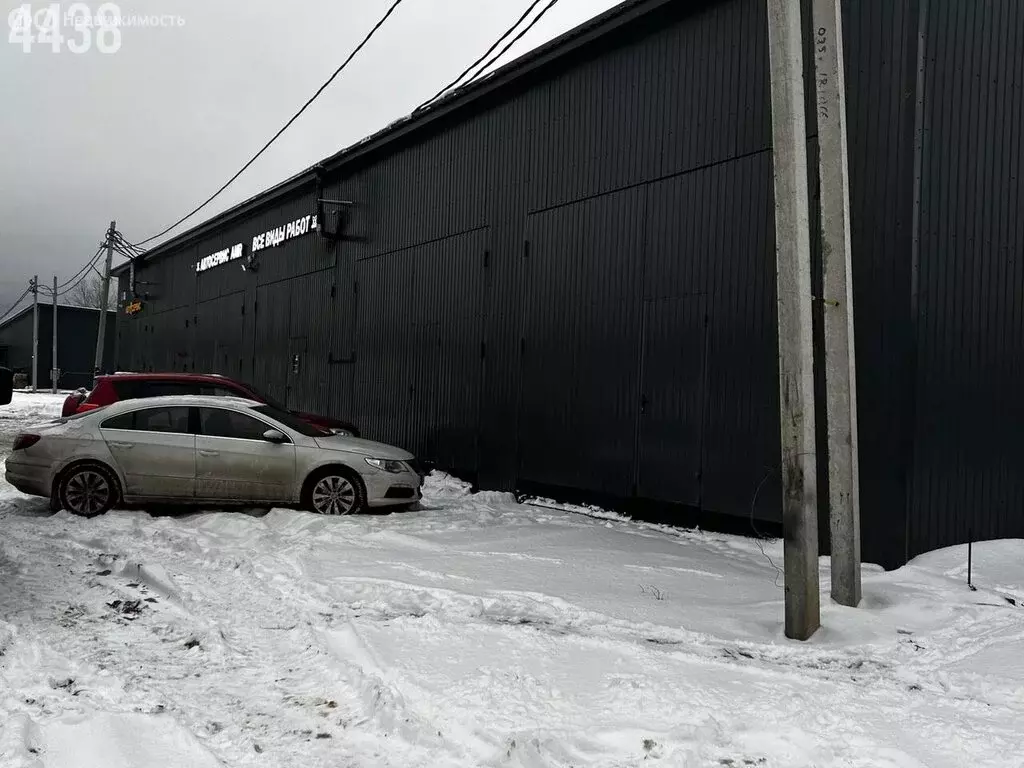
204	452
122	446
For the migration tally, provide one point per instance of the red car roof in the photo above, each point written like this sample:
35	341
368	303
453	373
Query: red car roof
207	377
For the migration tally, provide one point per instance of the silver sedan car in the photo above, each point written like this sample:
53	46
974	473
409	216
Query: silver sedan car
209	451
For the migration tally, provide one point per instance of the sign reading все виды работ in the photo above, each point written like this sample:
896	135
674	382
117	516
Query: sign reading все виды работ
287	231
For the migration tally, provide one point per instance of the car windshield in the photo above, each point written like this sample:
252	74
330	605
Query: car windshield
292	422
278	406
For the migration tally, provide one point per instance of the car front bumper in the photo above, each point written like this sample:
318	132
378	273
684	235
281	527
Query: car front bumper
390	488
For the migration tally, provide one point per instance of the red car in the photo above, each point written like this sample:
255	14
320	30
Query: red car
129	386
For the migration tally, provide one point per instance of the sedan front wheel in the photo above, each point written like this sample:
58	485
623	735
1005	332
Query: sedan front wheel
335	492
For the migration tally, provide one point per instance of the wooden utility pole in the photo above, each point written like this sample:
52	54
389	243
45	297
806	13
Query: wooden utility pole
796	355
104	299
840	360
35	333
53	355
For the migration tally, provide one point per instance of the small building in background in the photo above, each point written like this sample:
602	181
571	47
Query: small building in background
76	344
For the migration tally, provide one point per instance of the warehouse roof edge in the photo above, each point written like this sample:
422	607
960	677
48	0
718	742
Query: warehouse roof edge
458	99
49	305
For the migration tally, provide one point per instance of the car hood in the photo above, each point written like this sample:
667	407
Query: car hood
363	447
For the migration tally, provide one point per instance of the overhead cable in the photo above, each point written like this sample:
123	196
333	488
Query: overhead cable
285	127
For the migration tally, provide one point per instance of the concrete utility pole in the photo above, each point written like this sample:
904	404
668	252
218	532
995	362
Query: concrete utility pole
53	371
840	362
35	333
796	354
104	298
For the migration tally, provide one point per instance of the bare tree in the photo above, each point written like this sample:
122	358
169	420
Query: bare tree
89	293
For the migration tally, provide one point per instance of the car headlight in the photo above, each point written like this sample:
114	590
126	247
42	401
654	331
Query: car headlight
387	465
339	432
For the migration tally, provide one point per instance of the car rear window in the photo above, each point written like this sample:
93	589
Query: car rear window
164	388
165	419
292	422
126	390
215	390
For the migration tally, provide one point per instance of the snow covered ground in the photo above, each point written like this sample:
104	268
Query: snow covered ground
480	632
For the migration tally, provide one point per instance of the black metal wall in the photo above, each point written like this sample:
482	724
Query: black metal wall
76	344
509	305
968	292
881	39
571	283
16	337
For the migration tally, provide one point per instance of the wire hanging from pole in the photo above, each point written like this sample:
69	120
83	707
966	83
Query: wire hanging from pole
454	83
303	108
14	306
77	276
483	70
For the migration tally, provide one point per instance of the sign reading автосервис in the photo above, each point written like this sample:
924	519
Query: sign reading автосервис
287	231
220	257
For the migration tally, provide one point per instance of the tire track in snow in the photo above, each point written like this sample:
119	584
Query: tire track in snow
227	687
383	601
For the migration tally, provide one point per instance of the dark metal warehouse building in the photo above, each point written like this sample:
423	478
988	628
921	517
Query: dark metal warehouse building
76	343
563	276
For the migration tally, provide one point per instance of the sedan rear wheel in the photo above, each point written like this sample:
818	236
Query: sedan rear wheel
336	494
88	490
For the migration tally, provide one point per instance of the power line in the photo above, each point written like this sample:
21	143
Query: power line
77	276
127	254
69	285
285	127
14	306
72	286
486	53
119	238
513	41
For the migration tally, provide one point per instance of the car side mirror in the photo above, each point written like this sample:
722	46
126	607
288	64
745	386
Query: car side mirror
6	386
275	436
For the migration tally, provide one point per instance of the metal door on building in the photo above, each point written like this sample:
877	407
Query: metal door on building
672	400
218	335
577	407
270	362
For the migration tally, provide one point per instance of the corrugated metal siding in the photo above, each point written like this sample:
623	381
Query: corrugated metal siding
881	66
218	335
420	353
575	284
272	320
577	415
16	336
710	253
76	344
310	341
505	280
969	460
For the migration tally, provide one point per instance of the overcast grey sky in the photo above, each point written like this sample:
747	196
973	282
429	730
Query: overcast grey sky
144	134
